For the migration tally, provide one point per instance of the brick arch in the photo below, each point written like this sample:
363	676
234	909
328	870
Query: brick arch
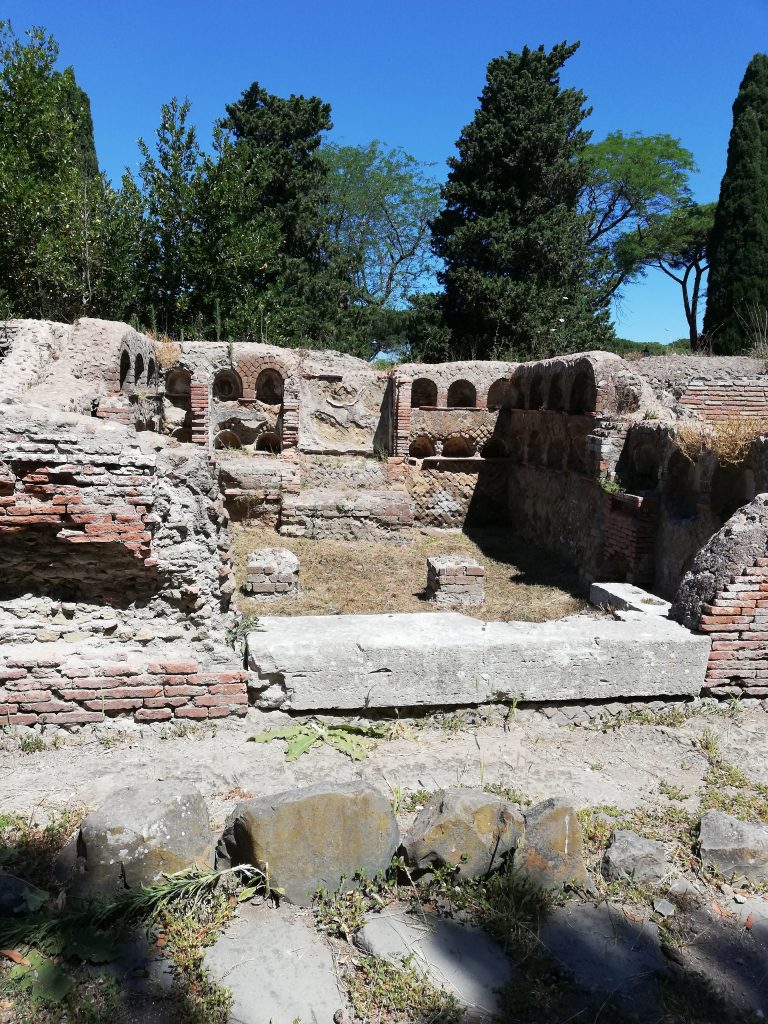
250	367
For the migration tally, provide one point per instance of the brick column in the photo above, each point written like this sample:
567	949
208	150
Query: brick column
290	432
401	414
198	395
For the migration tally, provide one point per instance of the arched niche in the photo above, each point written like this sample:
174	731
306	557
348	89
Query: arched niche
226	439
270	387
462	395
536	393
227	386
421	448
458	447
583	397
138	369
497	394
423	393
555	400
178	384
125	367
151	372
269	442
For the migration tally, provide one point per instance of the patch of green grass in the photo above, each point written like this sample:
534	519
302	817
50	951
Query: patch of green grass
398	994
672	792
727	788
31	744
414	801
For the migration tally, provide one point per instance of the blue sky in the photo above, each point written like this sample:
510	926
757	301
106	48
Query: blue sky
408	72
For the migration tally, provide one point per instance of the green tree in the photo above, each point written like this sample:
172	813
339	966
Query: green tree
381	202
738	252
53	201
168	179
631	180
299	290
519	277
676	243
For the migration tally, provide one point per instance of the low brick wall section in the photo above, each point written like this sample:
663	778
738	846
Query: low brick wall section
629	537
737	624
345	515
39	686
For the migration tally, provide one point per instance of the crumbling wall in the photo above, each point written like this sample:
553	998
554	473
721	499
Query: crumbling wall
107	537
725	595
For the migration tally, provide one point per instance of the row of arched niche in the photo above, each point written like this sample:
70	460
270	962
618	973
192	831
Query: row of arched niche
140	376
534	392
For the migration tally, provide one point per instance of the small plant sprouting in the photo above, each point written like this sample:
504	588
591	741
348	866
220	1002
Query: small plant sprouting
237	633
348	738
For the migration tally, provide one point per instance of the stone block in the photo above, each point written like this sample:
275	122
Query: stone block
272	572
466	828
137	836
309	839
737	850
552	853
631	856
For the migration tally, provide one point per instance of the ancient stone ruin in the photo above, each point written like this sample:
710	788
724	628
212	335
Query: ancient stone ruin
123	460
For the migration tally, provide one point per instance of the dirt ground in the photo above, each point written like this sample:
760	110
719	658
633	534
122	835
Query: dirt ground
626	767
370	577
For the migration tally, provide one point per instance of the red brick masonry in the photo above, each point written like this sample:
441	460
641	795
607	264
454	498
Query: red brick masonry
39	687
737	622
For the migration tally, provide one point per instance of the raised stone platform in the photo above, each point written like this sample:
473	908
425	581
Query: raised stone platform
443	659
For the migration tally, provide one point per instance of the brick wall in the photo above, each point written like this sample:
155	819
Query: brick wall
737	623
629	537
40	685
345	515
715	400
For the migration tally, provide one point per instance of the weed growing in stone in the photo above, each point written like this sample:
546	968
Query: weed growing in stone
391	993
727	788
348	738
515	796
31	744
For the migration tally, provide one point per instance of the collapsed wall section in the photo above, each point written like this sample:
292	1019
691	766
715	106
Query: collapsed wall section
113	548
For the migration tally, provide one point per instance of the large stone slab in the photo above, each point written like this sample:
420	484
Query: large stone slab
312	838
467	828
461	960
735	849
137	836
277	969
437	659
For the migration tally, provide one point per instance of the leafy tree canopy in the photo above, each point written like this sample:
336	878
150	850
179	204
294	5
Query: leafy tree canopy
519	279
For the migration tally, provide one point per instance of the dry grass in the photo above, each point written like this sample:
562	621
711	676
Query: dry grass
167	352
369	577
729	440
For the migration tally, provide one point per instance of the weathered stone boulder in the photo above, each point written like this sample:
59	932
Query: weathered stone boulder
136	837
631	856
735	849
467	828
552	853
312	838
18	896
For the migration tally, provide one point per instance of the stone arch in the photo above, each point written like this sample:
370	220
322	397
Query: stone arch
268	441
583	397
536	393
138	369
226	439
151	372
495	448
125	367
423	393
462	394
732	486
497	394
421	448
555	400
458	447
270	386
227	386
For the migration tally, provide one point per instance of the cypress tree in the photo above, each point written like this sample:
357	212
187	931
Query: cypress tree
738	249
519	278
